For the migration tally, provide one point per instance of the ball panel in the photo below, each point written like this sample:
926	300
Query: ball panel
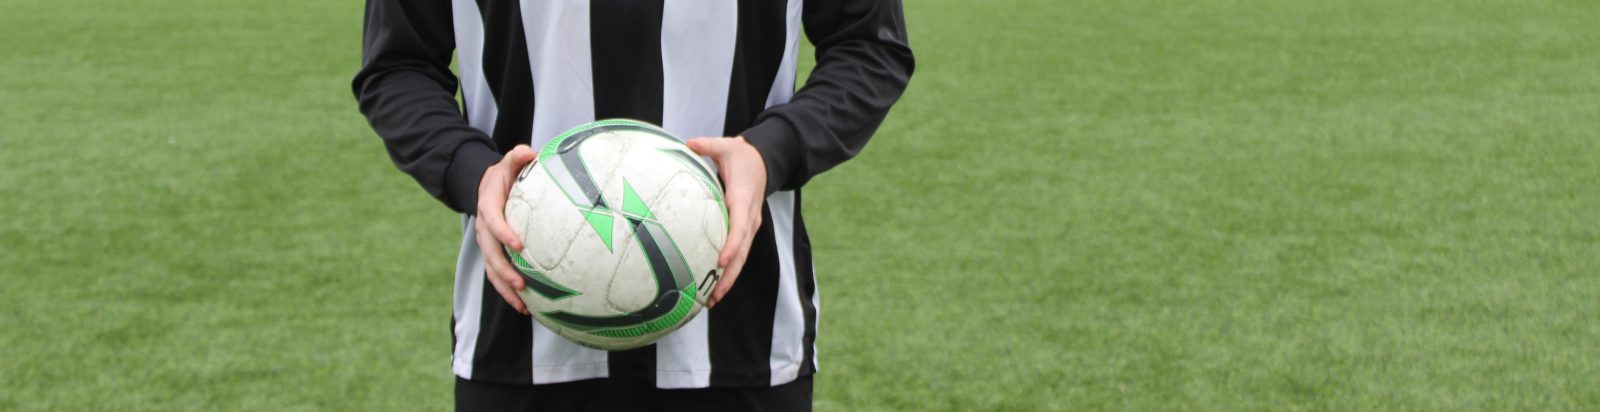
683	203
620	215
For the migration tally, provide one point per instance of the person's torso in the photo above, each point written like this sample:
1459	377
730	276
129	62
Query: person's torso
532	69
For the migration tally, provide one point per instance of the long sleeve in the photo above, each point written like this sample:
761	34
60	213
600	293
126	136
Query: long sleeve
407	92
863	66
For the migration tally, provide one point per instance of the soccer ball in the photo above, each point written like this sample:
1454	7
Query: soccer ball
621	226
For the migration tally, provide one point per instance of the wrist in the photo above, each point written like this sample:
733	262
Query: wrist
774	140
468	164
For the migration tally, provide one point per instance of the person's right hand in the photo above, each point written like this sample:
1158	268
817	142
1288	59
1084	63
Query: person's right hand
493	232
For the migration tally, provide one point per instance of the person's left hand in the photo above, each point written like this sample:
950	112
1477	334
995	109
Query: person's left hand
744	183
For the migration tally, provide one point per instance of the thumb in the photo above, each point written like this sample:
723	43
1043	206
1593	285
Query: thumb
521	154
708	146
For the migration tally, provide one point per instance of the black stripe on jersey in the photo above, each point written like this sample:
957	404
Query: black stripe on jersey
807	288
758	49
504	337
740	329
505	67
625	53
625	45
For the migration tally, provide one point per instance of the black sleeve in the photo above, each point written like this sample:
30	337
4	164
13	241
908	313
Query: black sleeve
863	65
406	90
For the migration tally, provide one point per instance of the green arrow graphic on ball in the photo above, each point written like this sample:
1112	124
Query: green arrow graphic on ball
563	162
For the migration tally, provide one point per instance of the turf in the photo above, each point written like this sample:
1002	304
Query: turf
1079	205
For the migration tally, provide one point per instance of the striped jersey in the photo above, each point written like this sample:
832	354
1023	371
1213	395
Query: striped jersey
528	70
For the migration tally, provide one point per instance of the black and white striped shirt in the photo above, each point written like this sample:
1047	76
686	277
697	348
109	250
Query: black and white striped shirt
530	69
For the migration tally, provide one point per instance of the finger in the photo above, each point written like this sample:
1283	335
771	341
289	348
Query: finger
500	274
491	213
493	191
736	235
736	251
508	273
729	275
496	223
496	274
506	293
738	226
494	259
741	231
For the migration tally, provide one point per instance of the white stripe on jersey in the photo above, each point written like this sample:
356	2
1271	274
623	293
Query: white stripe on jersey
468	308
559	58
783	85
816	319
788	324
468	300
475	92
563	87
697	45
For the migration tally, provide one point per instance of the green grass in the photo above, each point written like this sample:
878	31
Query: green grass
1210	205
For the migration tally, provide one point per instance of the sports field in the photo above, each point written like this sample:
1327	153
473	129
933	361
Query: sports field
1079	205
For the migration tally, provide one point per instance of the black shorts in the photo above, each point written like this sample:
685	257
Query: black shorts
629	395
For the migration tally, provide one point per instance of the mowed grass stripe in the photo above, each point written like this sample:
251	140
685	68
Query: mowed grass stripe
1213	205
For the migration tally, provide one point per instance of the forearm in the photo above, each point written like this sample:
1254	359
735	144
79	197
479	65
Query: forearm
407	93
863	66
426	136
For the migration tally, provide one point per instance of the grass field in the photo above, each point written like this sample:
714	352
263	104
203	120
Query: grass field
1079	205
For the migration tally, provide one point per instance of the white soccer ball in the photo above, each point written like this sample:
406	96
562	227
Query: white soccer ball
621	227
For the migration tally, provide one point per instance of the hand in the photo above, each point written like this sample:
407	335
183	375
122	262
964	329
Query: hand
493	232
744	182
